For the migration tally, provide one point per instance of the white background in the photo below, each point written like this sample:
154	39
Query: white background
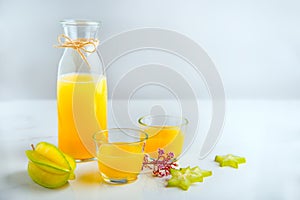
254	44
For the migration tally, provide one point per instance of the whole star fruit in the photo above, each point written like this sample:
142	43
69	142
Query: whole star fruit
51	152
230	160
184	177
50	167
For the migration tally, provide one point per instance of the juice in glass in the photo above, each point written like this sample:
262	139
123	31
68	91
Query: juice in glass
164	132
116	162
120	154
169	138
81	102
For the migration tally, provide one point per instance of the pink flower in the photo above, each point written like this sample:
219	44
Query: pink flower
162	165
161	152
171	154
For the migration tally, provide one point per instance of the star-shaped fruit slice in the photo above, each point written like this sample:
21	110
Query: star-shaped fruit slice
230	160
184	177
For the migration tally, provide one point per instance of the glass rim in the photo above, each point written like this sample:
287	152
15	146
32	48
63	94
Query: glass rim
120	129
79	22
183	120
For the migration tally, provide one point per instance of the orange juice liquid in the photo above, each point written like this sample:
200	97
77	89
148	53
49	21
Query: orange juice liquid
169	138
81	103
120	161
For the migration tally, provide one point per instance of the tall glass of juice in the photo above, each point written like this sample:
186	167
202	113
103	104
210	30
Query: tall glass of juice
81	89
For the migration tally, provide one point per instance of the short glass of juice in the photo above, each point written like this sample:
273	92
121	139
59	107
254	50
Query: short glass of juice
164	132
120	154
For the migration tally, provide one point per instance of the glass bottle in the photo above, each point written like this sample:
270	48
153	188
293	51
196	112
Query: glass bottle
81	89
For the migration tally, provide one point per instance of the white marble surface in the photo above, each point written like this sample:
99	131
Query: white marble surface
267	133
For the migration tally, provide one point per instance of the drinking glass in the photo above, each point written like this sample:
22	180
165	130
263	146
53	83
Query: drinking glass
164	132
120	154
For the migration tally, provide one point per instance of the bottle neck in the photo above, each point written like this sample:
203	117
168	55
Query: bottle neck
80	29
76	32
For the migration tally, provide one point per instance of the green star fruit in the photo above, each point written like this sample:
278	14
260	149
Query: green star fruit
184	177
230	160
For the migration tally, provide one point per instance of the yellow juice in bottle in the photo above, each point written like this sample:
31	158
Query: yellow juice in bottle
120	160
81	103
169	138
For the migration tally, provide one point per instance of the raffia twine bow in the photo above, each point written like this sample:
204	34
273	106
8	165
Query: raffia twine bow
80	45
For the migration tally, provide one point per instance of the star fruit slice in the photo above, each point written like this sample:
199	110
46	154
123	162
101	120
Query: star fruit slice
184	177
230	160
